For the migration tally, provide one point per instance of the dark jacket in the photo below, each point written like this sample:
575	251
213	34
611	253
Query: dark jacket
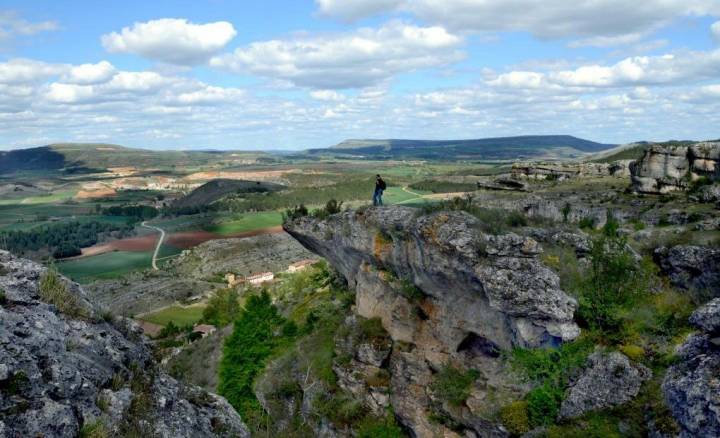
380	184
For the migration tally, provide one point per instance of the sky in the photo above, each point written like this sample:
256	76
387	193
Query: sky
297	74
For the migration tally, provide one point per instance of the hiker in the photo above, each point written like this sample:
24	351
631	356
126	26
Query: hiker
380	187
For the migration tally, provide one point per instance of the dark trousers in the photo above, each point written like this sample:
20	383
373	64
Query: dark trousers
377	197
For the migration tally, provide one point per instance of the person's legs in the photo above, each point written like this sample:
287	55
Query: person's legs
380	193
375	198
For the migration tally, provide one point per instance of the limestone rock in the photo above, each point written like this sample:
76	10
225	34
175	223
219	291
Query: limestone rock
608	380
667	168
59	372
691	267
692	386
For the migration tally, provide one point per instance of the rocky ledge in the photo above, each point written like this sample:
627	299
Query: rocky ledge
68	369
447	294
667	168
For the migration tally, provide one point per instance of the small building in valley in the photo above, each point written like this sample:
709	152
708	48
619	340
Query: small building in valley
204	329
260	278
233	280
302	264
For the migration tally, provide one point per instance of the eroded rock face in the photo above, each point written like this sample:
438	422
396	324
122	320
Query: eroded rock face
664	169
608	380
446	293
692	267
692	386
493	286
60	372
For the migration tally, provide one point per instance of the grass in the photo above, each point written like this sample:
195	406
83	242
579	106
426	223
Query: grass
178	315
105	266
54	290
247	222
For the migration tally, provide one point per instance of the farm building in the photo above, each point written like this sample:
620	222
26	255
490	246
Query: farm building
204	329
302	264
260	278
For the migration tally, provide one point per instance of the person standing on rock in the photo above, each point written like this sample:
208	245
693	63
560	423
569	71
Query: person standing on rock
380	187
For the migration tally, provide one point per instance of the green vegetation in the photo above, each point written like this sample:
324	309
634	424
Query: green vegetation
257	335
246	222
222	308
179	315
105	266
438	186
94	429
53	290
515	417
61	239
491	221
453	384
136	213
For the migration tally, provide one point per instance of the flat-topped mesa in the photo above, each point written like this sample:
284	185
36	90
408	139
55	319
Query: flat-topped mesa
666	168
440	283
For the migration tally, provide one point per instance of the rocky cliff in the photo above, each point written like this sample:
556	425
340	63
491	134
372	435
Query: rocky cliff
68	369
446	293
667	168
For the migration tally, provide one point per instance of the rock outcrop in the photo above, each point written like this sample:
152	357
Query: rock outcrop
667	168
564	171
608	380
446	293
76	369
690	267
692	386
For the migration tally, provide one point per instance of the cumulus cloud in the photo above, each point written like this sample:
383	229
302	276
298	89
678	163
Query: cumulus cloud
20	70
639	70
90	73
595	22
715	29
171	40
357	59
327	95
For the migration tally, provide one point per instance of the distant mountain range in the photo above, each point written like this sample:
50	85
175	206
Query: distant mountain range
83	157
499	148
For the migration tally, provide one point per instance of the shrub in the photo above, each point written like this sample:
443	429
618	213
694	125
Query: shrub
330	208
566	211
222	308
634	352
453	385
255	337
543	404
385	427
340	408
410	291
373	330
53	290
94	429
516	219
587	223
295	212
515	417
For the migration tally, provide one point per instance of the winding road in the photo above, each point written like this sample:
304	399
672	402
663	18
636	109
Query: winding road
159	243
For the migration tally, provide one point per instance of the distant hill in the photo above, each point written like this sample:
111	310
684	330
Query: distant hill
213	190
98	156
499	148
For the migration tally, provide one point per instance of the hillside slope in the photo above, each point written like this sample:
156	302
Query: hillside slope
217	188
487	148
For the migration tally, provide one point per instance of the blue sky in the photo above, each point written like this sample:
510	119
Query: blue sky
298	74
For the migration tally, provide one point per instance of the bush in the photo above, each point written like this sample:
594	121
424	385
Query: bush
385	427
373	330
255	337
295	213
222	308
53	290
341	408
95	429
543	404
587	223
515	417
634	352
331	207
453	385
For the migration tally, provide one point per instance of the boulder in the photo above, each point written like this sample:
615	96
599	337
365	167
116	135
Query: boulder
691	386
609	379
61	370
691	267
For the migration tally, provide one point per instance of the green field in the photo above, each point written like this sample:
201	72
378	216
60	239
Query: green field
246	222
180	316
105	266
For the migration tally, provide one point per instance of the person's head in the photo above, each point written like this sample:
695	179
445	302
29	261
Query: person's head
377	176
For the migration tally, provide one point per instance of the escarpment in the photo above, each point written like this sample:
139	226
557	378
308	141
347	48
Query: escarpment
448	295
667	168
67	369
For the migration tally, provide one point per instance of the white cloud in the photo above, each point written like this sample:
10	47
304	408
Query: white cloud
639	70
20	70
12	26
595	22
327	95
715	29
171	40
353	10
90	73
358	59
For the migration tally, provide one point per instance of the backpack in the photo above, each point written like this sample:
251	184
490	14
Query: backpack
382	184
